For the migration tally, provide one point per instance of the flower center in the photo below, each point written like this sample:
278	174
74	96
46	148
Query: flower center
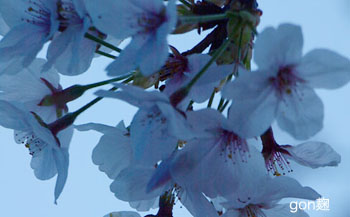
286	80
253	211
67	15
33	143
233	147
151	21
38	13
174	65
274	155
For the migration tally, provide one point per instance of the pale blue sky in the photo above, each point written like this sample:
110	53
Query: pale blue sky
326	23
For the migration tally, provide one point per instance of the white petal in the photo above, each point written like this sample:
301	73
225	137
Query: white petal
150	137
71	52
123	214
135	96
284	187
323	68
301	113
145	205
113	153
285	211
197	204
254	104
232	213
281	46
3	26
118	18
61	157
132	182
314	154
43	164
13	117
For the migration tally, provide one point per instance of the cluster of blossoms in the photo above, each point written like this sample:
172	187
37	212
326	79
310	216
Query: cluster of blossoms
216	162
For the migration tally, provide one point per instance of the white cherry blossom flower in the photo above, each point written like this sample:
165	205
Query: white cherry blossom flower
261	199
180	70
48	147
70	52
157	126
310	154
283	86
147	22
30	86
3	26
32	23
214	162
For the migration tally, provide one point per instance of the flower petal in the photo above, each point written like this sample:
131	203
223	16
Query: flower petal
301	113
285	211
61	158
281	46
254	104
314	154
323	68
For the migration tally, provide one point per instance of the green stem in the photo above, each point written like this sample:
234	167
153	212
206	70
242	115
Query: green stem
216	55
225	105
96	100
101	83
203	19
106	54
185	2
102	42
210	103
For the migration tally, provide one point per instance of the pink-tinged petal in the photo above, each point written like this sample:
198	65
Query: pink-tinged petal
43	164
314	154
13	117
21	44
132	182
145	205
3	26
118	18
28	88
123	214
323	68
205	119
61	158
155	52
285	187
300	113
285	211
113	152
281	46
70	52
254	103
232	213
150	138
135	96
197	204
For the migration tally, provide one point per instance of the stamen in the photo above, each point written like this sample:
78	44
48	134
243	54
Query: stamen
232	145
39	14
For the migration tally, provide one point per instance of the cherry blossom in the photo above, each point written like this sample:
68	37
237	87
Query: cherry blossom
147	22
49	149
310	154
261	198
283	86
32	23
157	126
70	52
180	70
30	86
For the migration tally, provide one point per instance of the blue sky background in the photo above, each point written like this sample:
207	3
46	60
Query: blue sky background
326	23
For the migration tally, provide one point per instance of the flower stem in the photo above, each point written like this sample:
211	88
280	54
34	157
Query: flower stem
185	2
102	42
96	100
216	55
106	54
204	18
101	83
